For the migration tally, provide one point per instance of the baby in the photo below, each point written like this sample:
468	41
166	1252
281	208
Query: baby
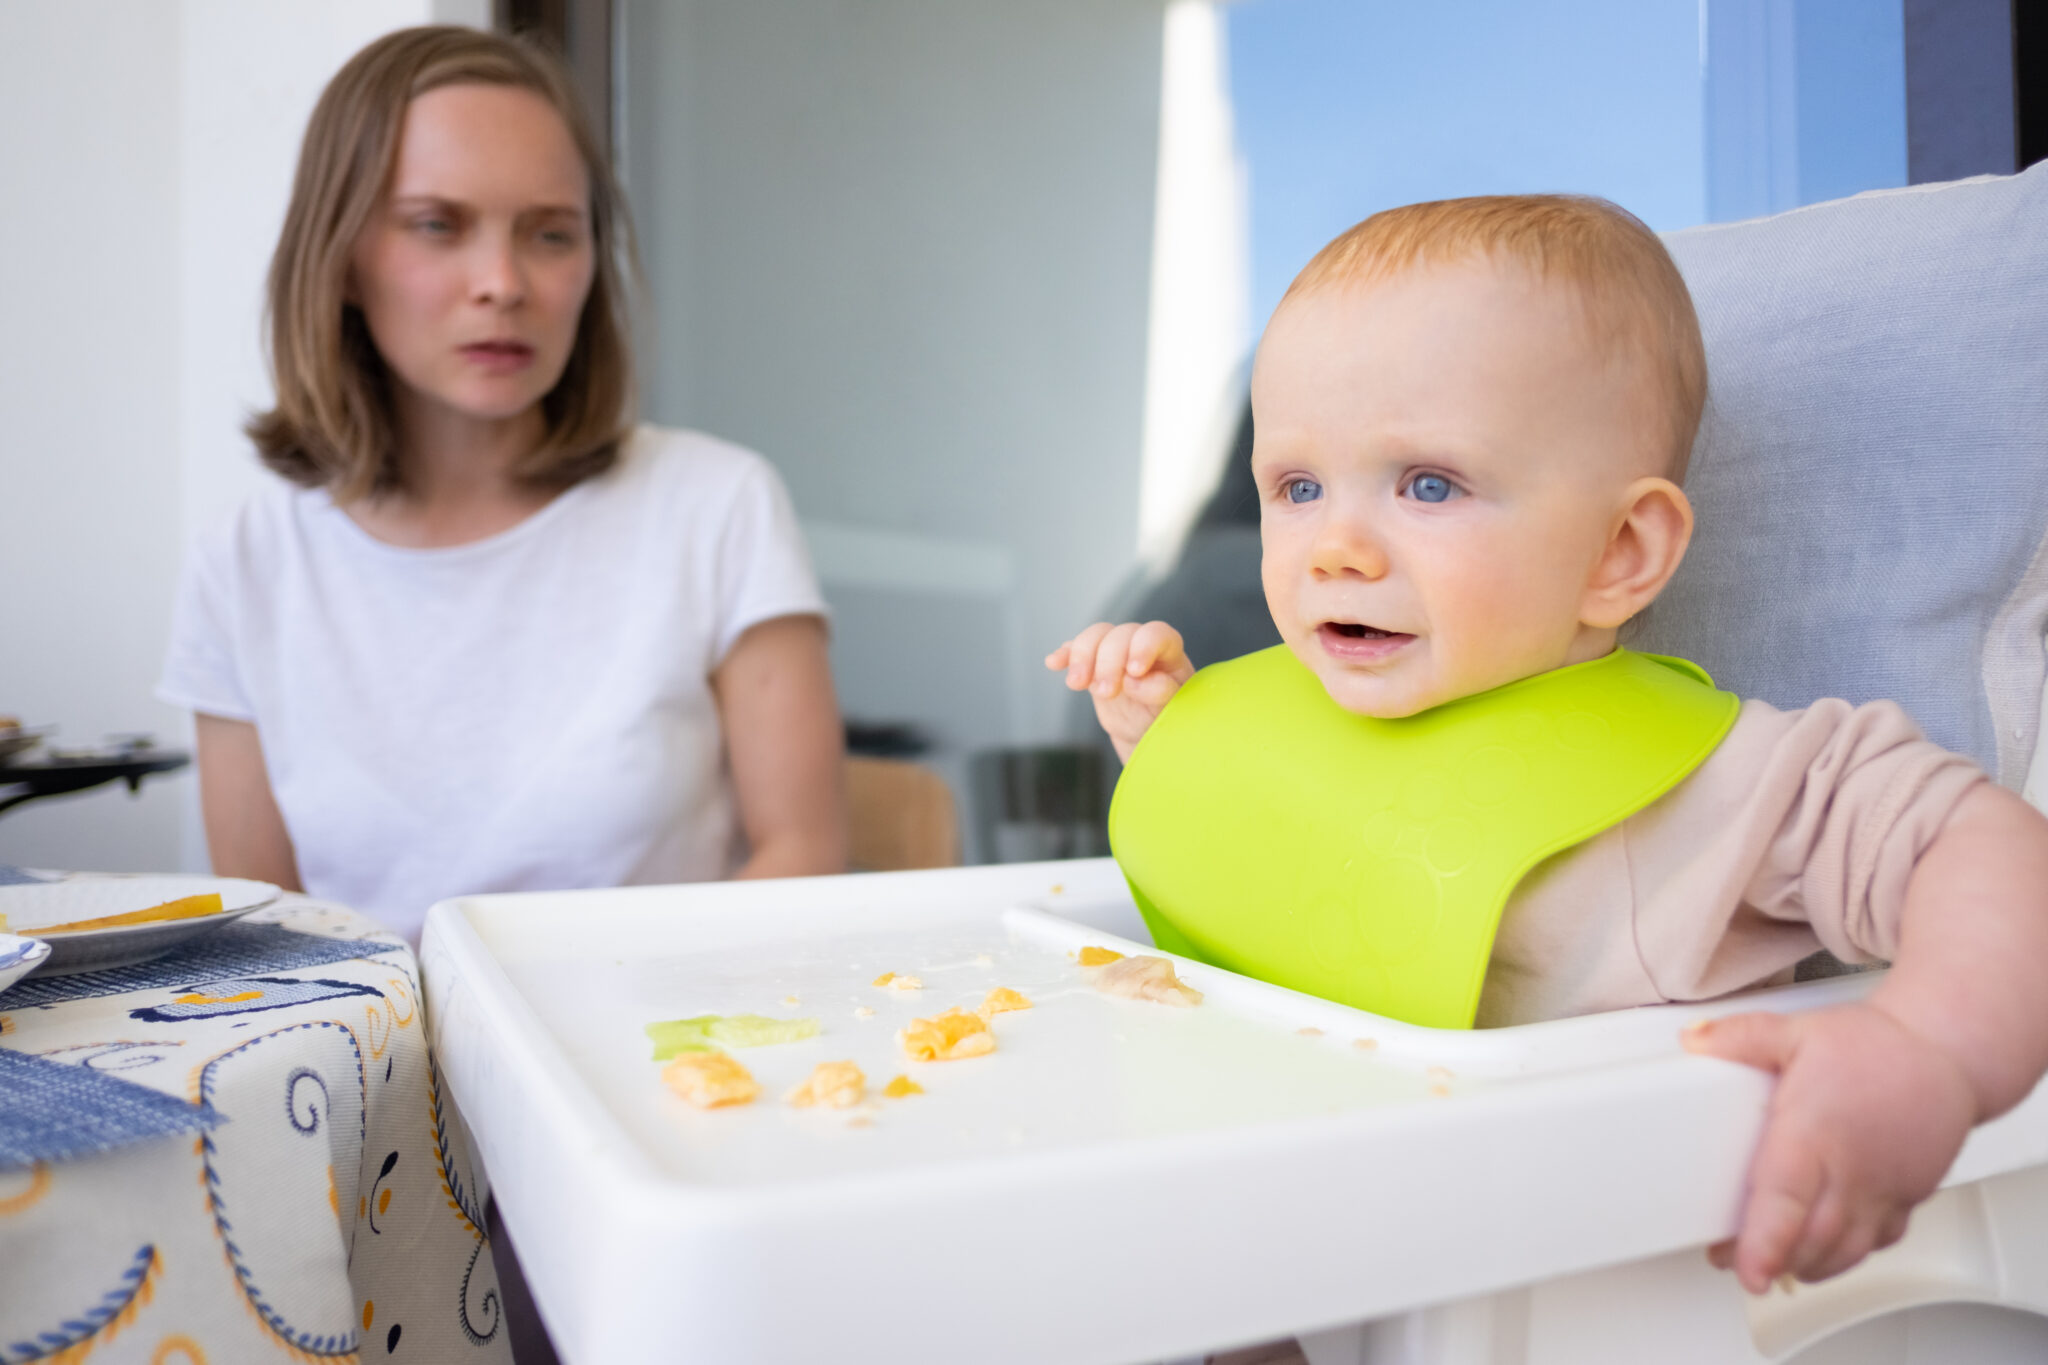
1472	419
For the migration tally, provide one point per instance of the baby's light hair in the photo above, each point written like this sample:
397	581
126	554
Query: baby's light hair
1634	298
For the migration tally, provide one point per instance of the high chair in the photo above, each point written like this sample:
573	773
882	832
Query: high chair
1122	1183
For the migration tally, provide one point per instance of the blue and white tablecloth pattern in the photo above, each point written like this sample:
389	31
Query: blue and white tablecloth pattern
240	1152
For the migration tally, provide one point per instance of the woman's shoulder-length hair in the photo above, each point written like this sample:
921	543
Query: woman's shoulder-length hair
332	426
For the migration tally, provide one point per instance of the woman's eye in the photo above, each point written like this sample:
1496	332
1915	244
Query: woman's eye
1303	490
1431	488
434	227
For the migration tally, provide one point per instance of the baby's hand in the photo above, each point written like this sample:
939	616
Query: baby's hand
1131	670
1866	1118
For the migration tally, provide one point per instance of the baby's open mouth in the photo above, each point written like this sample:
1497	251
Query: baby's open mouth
1359	641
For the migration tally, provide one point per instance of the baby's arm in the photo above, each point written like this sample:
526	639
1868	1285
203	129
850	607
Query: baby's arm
1874	1099
1132	671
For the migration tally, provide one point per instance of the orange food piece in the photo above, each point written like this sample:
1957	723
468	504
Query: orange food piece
835	1085
1146	978
1092	956
901	1087
894	982
185	907
1002	1000
948	1037
710	1080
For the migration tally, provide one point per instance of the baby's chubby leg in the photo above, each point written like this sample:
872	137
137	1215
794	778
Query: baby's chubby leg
1130	670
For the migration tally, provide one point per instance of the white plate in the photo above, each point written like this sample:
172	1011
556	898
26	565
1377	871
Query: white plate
19	957
32	907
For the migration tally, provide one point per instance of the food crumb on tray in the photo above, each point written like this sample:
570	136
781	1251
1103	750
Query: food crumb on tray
1310	1032
1092	956
710	1080
863	1011
892	981
1366	1044
1002	1000
949	1037
901	1087
831	1085
1146	978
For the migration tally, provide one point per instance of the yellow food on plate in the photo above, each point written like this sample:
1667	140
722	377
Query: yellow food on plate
1146	978
710	1079
949	1037
1092	956
1002	1000
834	1085
891	981
902	1086
185	907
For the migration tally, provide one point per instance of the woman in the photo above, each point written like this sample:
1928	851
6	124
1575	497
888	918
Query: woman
487	635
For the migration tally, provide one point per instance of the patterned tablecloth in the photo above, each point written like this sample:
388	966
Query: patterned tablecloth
239	1152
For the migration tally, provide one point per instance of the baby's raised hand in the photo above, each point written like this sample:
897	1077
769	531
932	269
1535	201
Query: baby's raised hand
1131	671
1866	1117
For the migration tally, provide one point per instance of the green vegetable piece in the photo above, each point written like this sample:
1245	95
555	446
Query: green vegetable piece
756	1030
672	1036
707	1032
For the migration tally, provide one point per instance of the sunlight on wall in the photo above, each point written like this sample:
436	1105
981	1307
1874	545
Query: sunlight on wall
1201	278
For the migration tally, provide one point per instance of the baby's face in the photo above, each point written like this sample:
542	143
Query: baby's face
1441	460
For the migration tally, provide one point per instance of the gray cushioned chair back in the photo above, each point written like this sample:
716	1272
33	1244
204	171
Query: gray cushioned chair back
1871	478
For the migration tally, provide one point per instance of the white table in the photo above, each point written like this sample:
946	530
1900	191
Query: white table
318	1205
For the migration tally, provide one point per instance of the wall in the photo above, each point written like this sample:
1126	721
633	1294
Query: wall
902	247
147	148
89	478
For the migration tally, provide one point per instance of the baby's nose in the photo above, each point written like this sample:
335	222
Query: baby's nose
1345	549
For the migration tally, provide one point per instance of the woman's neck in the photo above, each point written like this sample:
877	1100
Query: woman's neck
457	481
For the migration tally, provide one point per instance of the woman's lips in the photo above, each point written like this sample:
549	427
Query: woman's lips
1354	643
499	357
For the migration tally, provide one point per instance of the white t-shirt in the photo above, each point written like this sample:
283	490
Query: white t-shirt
530	711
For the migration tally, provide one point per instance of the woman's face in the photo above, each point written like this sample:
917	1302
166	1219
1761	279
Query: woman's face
473	270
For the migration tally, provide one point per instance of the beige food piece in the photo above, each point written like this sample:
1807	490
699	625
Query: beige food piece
949	1037
834	1085
1310	1032
863	1011
892	981
1092	956
710	1080
902	1086
1146	978
1002	1000
1366	1044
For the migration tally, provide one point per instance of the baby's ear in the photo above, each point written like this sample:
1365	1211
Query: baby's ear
1645	543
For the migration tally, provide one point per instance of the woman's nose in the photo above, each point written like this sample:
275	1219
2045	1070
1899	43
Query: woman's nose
1346	547
499	277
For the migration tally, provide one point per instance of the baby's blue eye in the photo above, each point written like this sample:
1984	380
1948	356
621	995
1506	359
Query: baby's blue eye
1303	490
1431	488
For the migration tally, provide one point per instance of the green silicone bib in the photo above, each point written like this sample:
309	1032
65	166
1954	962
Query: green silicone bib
1265	829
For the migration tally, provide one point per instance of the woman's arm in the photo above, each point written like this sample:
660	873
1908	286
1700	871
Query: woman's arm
782	729
245	833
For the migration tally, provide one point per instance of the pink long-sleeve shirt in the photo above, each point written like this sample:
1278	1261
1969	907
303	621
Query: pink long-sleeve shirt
1800	832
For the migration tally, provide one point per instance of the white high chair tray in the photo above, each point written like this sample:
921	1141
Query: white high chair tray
1119	1182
